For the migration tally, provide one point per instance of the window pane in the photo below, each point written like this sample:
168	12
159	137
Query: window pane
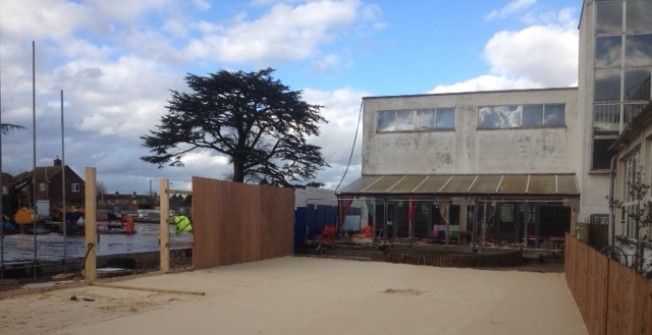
601	154
533	116
554	116
500	117
632	110
638	16
607	85
606	119
638	50
386	121
607	51
610	18
426	119
445	118
405	120
637	84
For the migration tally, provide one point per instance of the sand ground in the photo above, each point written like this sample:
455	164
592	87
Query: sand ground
300	295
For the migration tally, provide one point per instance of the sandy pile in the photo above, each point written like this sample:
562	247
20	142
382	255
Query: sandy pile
296	295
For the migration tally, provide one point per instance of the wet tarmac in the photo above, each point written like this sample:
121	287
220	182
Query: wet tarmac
51	248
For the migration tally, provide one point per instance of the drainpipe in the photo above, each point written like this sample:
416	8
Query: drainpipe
612	177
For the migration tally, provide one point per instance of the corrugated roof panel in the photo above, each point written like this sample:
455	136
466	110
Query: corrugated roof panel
524	184
513	184
567	184
432	184
408	184
459	184
359	184
485	184
384	184
542	184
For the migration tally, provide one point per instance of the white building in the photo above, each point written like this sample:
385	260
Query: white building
509	167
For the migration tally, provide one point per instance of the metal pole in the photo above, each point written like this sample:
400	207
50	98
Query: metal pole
34	151
63	190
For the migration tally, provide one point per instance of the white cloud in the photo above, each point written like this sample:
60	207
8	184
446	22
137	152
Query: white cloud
543	55
536	56
511	8
284	33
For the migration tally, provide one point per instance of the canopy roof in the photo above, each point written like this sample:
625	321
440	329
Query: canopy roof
465	185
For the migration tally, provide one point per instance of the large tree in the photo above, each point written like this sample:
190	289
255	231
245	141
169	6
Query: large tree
251	117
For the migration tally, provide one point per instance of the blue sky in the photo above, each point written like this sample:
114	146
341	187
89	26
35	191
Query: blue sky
117	60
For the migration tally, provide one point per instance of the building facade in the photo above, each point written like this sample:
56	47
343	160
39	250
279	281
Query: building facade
456	159
495	168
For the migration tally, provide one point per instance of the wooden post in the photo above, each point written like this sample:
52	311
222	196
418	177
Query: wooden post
90	226
164	238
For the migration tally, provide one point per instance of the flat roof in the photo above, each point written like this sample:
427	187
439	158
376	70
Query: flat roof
470	92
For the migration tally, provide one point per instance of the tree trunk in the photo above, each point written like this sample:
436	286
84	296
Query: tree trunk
238	170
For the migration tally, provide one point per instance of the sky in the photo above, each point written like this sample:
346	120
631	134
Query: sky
117	61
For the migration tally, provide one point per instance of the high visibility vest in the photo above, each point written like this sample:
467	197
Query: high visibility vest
182	224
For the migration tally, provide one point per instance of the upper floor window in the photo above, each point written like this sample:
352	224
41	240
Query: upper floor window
522	116
75	187
416	120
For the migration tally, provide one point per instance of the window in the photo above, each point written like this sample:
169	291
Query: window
638	16
607	85
632	111
633	175
610	18
522	116
638	50
606	119
75	187
601	154
637	84
416	120
607	51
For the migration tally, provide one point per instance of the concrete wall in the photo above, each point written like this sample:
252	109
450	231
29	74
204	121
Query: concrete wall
594	185
468	149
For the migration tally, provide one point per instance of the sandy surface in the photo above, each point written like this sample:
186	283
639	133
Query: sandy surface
297	295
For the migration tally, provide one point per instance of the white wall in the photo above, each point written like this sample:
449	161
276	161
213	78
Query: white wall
468	149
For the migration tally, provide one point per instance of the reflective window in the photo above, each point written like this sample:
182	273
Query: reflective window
416	120
533	116
638	16
638	50
405	120
637	84
606	119
633	110
610	17
386	121
554	115
426	119
607	85
607	51
445	118
498	117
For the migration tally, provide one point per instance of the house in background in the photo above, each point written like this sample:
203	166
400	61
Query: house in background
127	203
49	189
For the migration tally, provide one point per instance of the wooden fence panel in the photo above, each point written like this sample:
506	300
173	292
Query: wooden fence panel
619	311
642	306
236	223
596	295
